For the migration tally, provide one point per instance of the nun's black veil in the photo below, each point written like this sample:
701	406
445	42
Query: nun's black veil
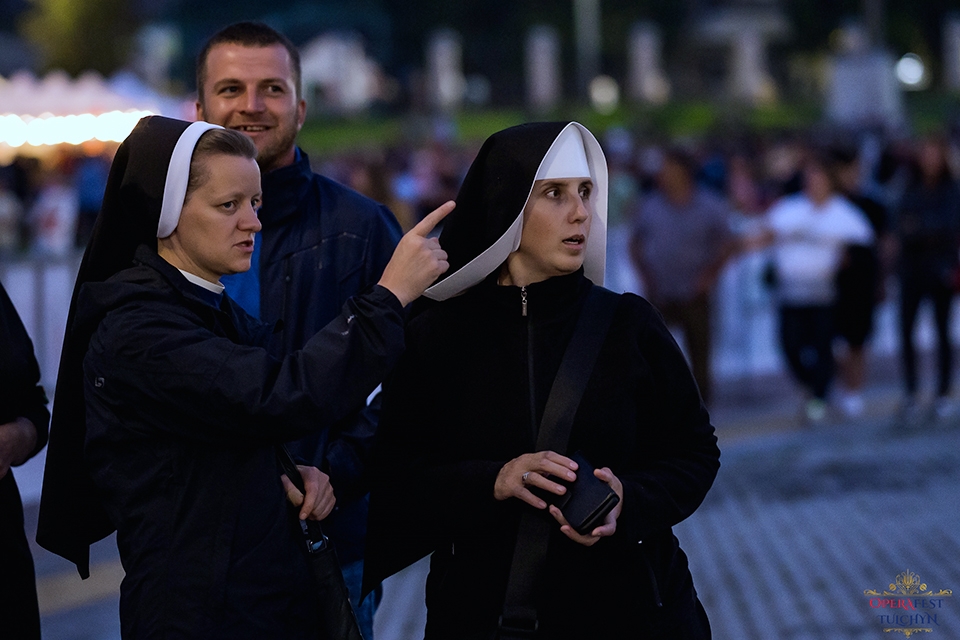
486	225
495	190
71	517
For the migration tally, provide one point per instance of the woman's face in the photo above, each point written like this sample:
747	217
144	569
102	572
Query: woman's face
816	183
215	234
556	225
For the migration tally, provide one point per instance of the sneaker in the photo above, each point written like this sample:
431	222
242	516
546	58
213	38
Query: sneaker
816	410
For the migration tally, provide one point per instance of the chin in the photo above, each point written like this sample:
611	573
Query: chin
238	268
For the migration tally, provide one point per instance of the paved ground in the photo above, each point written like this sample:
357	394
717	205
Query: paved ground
801	522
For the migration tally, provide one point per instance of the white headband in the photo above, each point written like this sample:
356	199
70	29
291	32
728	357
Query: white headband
566	158
178	175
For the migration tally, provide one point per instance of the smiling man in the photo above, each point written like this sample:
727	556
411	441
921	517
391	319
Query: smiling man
321	243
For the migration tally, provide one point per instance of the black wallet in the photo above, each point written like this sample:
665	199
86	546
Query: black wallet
587	500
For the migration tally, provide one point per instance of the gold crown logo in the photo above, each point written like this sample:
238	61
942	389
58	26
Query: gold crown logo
908	583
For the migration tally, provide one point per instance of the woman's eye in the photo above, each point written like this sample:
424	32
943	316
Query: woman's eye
228	206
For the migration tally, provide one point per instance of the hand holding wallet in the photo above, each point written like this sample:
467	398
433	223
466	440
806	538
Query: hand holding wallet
587	500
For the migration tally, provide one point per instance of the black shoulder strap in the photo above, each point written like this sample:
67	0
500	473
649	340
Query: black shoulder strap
312	529
519	619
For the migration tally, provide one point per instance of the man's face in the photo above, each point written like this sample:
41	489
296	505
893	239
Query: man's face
252	90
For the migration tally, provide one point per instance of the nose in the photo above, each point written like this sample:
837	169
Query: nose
253	101
581	211
249	221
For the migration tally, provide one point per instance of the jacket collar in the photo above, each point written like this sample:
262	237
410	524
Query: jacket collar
284	188
545	300
232	317
147	257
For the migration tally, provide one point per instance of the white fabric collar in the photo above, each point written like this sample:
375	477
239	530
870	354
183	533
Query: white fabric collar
215	287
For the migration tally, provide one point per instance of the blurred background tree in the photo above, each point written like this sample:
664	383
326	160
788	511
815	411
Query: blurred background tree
80	35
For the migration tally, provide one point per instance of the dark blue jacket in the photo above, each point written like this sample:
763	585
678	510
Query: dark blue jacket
321	244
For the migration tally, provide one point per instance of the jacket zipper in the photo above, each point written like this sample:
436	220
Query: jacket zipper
652	575
534	429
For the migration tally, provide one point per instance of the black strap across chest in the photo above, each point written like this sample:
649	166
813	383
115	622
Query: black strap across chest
519	619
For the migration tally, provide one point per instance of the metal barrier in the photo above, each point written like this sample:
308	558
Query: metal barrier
40	288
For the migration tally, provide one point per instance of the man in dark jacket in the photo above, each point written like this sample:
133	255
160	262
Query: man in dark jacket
23	432
321	243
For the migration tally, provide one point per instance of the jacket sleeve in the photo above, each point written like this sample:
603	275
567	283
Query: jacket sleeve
681	459
421	495
348	452
21	394
182	378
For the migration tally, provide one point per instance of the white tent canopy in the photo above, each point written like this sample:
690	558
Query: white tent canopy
57	109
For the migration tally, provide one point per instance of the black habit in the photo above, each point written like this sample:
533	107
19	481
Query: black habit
20	396
468	396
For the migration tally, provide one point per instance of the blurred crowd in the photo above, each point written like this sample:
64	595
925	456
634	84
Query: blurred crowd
825	227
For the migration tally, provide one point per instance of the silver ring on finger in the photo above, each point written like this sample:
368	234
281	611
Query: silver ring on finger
524	477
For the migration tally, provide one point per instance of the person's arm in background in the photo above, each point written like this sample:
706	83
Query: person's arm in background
638	256
24	418
726	247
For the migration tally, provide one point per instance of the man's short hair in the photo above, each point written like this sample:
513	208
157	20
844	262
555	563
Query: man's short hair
247	34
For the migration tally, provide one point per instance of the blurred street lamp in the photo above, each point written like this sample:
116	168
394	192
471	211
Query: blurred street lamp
604	94
912	73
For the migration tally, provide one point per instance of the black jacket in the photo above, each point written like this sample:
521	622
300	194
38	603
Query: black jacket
927	224
184	408
322	244
20	396
466	398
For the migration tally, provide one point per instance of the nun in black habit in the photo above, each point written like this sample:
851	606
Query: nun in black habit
169	407
23	433
455	455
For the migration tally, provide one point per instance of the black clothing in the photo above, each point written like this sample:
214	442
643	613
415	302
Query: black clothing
858	280
321	244
928	228
467	397
941	296
128	218
806	336
168	410
20	396
183	410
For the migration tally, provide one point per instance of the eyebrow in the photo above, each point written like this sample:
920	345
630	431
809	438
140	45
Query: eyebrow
560	182
262	81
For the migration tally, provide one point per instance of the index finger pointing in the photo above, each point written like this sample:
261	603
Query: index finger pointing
432	219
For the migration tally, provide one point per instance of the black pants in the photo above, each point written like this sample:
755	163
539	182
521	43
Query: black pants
806	336
912	292
693	318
